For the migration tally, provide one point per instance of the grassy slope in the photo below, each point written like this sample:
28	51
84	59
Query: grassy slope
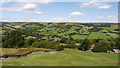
65	58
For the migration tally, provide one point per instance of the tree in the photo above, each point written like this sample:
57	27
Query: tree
36	44
117	44
60	48
71	44
63	40
71	38
13	39
6	33
85	45
29	42
102	46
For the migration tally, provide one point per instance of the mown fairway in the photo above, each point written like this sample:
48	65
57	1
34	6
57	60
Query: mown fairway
64	58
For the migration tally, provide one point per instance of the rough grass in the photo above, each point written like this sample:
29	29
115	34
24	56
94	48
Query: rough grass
19	51
67	57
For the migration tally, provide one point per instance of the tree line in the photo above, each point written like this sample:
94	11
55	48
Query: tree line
15	39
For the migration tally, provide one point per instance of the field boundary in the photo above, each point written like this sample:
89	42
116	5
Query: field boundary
23	55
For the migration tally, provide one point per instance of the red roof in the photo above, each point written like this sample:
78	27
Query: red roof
92	46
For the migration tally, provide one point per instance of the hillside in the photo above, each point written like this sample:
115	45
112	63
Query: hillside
66	57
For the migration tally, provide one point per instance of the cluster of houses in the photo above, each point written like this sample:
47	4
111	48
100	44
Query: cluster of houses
66	36
54	38
115	50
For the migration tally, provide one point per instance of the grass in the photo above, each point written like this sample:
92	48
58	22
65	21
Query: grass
85	33
114	31
19	50
67	32
113	35
104	31
95	35
30	37
60	34
79	36
67	57
70	31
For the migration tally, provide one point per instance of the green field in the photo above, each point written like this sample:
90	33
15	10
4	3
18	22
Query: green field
113	35
87	33
74	30
67	57
95	35
79	36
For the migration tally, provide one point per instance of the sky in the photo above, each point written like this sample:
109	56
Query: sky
59	11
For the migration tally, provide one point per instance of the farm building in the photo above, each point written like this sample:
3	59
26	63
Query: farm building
116	50
109	52
90	50
92	46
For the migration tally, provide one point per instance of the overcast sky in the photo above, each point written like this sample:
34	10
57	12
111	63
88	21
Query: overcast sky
59	11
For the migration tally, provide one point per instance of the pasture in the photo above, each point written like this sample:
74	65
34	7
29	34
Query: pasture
113	35
95	35
79	36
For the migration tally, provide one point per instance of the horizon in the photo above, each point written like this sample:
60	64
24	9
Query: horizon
68	22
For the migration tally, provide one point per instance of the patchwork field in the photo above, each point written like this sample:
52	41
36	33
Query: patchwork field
67	57
77	31
113	35
95	35
79	36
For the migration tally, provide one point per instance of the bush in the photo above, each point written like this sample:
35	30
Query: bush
60	48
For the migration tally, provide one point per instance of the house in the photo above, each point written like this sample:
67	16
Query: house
109	51
116	50
44	38
92	46
66	36
90	50
55	39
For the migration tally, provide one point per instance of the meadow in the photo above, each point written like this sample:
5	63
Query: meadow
67	57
